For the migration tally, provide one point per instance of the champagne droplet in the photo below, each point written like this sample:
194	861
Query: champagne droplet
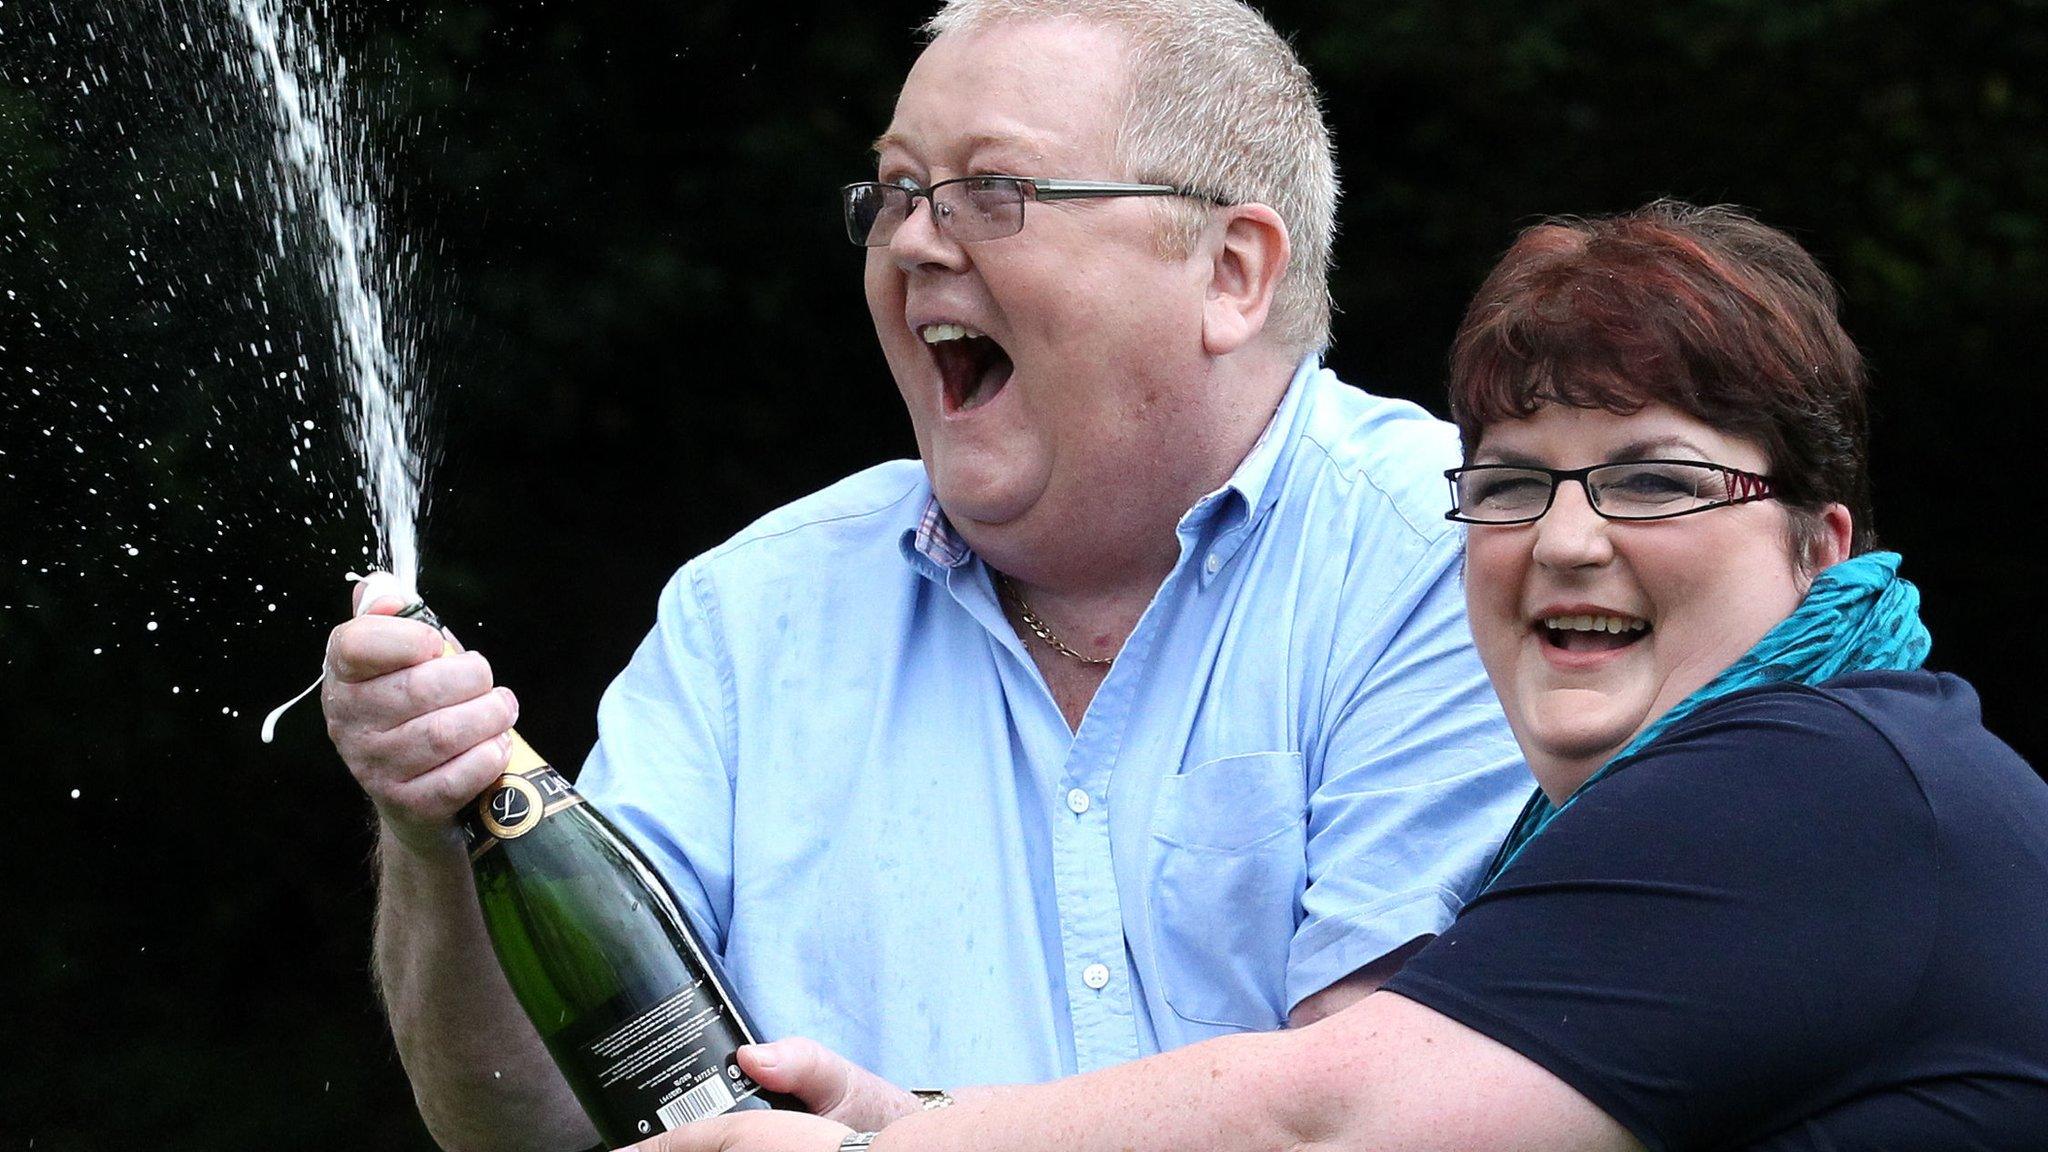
270	721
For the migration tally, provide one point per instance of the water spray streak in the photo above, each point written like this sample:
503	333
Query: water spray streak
322	178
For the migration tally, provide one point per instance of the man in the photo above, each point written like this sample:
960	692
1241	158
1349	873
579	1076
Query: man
1143	711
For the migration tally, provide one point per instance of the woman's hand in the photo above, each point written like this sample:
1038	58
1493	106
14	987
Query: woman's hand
845	1097
829	1084
751	1132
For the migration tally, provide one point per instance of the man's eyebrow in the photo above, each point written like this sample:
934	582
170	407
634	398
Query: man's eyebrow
975	143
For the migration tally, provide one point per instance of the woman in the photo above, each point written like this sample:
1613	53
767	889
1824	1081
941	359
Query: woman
1778	888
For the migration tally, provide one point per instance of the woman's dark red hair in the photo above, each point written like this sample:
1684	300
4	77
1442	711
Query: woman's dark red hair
1703	309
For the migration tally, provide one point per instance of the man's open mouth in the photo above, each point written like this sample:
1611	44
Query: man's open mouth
1591	633
973	367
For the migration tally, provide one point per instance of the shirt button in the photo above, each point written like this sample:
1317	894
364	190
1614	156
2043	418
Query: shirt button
1213	564
1095	976
1077	799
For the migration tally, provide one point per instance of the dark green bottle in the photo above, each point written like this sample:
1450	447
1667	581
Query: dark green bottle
631	1005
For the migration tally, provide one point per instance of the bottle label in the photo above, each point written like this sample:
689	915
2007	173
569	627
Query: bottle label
670	1064
529	792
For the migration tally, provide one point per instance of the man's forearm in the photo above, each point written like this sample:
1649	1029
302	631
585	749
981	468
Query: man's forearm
483	1080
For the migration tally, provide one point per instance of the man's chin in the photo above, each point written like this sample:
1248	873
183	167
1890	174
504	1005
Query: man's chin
998	531
980	498
970	516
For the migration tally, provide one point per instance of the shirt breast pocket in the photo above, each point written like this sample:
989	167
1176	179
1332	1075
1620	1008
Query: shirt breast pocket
1229	860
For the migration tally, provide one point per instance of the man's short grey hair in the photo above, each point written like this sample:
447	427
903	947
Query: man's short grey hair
1218	103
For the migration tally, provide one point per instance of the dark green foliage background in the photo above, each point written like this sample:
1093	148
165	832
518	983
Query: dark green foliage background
641	329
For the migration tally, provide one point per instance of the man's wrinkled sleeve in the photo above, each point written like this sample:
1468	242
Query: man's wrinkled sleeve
661	769
1416	780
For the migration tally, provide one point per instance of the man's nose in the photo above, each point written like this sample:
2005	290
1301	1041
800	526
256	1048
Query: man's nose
1571	534
920	242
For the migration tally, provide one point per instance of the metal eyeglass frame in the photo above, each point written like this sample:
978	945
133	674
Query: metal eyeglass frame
1047	190
1746	487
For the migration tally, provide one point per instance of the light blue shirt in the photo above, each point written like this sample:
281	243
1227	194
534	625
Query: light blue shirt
843	760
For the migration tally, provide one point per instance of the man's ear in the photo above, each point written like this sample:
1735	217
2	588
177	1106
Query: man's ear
1247	258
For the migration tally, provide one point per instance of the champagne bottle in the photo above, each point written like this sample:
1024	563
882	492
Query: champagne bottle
629	1002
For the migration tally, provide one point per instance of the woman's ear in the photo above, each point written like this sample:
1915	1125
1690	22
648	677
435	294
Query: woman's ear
1830	546
1248	258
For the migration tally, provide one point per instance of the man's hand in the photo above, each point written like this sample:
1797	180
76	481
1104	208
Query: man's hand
751	1132
421	735
829	1084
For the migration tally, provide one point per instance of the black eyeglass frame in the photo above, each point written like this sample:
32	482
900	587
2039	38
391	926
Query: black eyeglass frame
1040	189
1748	487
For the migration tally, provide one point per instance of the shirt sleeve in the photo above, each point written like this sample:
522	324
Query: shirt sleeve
1705	940
661	769
1414	781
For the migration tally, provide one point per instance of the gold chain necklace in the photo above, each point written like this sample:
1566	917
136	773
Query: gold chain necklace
1039	629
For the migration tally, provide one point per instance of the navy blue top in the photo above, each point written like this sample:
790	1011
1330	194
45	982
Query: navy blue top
1805	918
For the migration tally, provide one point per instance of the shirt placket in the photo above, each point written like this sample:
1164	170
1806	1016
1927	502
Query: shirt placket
1098	973
1101	996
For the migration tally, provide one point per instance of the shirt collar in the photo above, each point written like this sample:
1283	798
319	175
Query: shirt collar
934	548
1253	481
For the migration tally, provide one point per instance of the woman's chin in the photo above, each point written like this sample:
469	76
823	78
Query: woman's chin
1570	733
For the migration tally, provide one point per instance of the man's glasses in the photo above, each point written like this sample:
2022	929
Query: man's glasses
1636	490
971	208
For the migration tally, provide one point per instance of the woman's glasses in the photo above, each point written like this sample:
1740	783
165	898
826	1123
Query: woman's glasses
1635	490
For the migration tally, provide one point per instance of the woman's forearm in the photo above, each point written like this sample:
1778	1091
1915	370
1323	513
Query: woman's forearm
1385	1074
1243	1093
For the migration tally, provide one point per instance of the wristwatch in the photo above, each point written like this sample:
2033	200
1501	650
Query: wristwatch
857	1141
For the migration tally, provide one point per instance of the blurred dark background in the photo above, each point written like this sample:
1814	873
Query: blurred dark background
628	301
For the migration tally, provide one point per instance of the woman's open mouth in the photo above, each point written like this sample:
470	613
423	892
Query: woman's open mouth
972	367
1591	633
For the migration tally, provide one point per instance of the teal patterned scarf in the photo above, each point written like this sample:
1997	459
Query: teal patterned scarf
1859	616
